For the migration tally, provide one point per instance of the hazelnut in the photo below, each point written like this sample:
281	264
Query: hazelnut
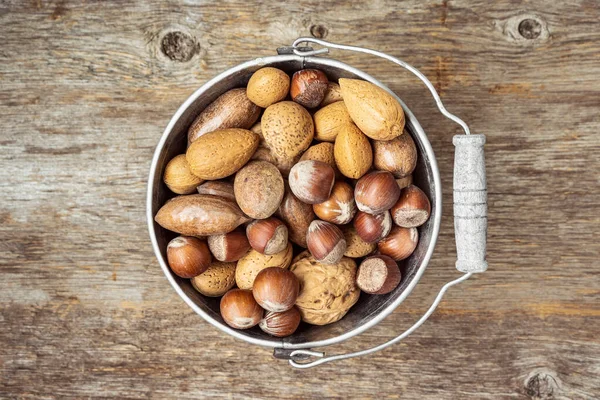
267	236
400	243
239	309
311	181
325	242
378	275
230	246
276	289
339	208
308	87
376	192
372	228
178	177
412	209
281	324
217	188
188	256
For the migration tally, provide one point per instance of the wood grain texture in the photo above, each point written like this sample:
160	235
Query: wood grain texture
86	89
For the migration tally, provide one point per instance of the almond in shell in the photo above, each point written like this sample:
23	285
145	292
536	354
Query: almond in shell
253	262
287	128
329	120
268	86
322	152
352	152
178	176
216	280
355	246
221	153
376	112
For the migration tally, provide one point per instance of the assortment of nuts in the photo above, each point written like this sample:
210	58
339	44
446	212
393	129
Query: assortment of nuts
325	175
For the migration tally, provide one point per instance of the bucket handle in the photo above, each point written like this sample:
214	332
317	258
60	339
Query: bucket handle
470	205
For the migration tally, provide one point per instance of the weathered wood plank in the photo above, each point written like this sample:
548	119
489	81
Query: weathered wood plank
86	89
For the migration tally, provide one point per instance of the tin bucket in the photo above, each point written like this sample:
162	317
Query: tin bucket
369	309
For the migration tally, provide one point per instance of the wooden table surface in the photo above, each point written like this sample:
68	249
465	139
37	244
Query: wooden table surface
86	89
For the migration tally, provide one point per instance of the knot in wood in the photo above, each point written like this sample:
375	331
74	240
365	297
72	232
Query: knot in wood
319	31
542	385
178	46
530	28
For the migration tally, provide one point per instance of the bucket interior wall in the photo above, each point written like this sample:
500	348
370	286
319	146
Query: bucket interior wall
368	306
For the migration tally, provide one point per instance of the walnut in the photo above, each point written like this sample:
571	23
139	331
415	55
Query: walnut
327	292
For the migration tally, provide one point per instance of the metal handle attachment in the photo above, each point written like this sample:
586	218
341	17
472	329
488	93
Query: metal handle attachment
470	204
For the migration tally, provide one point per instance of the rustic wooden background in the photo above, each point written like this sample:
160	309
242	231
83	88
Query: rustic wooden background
86	89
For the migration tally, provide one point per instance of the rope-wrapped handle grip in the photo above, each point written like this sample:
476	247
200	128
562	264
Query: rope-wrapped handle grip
470	203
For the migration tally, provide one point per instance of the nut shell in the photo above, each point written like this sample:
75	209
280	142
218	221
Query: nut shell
216	280
330	120
219	154
412	209
327	292
339	208
398	156
284	165
378	275
217	188
311	181
400	243
322	152
376	112
253	262
268	86
267	236
275	289
325	242
200	215
355	246
188	256
281	324
372	228
259	189
352	152
376	192
297	215
230	246
308	87
178	177
239	309
287	128
332	94
232	109
405	181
